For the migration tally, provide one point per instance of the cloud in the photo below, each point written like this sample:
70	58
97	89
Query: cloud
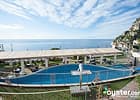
11	26
130	3
72	13
113	26
12	9
122	18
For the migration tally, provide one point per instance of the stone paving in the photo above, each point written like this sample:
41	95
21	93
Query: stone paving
0	98
132	86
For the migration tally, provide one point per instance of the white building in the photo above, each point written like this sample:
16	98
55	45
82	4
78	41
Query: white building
136	60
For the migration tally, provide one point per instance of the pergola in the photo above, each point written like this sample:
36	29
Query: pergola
46	54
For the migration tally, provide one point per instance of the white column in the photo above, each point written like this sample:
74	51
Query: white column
90	56
101	59
65	60
46	62
11	63
85	59
22	66
30	61
77	58
115	58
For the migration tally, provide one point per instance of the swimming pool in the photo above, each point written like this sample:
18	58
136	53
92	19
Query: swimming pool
62	75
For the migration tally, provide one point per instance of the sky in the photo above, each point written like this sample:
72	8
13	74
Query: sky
66	19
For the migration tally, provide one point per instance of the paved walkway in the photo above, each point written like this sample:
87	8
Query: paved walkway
132	86
0	98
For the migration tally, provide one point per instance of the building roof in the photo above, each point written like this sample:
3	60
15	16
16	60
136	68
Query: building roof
56	53
136	54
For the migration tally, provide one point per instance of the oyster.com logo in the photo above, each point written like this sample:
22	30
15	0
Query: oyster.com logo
109	92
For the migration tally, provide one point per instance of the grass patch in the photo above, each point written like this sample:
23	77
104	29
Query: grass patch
65	95
54	96
138	80
119	84
54	62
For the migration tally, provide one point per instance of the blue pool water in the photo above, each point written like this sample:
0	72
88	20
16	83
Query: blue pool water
120	66
62	75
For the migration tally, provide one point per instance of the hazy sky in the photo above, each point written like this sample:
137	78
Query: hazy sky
31	19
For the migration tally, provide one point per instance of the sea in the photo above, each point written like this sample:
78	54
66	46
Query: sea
46	44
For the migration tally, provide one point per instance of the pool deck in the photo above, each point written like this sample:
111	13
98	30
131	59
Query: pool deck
66	85
116	79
